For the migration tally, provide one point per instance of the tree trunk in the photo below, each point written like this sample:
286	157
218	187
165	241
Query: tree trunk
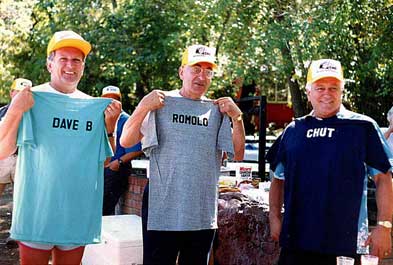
114	4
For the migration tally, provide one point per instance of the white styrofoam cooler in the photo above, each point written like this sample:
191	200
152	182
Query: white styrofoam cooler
121	242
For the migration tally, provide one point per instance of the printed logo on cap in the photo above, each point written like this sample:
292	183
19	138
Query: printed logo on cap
328	66
202	51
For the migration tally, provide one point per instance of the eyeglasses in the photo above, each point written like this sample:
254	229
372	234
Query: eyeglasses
196	70
323	89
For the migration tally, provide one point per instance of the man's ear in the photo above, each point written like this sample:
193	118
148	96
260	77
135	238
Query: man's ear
308	94
49	66
181	71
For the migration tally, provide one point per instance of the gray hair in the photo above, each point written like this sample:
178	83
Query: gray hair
51	56
342	83
53	53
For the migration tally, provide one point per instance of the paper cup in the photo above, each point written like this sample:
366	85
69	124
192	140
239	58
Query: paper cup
341	260
369	260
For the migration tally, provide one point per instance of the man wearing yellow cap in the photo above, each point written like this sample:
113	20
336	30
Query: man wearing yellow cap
321	165
184	134
49	216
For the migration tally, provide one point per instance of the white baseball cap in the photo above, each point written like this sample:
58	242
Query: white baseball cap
20	83
111	90
199	53
324	68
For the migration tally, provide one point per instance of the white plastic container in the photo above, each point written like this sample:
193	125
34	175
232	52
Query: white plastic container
121	242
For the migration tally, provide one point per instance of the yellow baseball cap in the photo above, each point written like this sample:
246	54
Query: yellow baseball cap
324	68
198	54
20	83
68	38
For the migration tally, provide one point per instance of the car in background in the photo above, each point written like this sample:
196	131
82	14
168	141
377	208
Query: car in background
252	147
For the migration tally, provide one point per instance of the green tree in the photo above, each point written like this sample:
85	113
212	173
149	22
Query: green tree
137	45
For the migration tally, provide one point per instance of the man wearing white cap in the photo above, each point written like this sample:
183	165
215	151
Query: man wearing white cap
320	164
119	167
184	134
7	165
58	188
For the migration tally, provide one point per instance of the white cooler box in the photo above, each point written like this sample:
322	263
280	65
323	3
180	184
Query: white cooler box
121	242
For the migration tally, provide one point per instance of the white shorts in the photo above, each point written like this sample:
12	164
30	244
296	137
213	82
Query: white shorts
47	246
7	169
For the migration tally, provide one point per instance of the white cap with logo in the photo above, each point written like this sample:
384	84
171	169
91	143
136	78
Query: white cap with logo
20	83
199	53
324	68
111	90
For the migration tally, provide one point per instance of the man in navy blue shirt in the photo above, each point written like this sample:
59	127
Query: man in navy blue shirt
320	164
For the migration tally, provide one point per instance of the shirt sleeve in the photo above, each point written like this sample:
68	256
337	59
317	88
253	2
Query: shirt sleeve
279	172
275	159
378	156
106	150
25	131
134	148
224	141
149	131
271	155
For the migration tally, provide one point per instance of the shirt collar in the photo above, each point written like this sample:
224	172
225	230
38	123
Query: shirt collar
340	114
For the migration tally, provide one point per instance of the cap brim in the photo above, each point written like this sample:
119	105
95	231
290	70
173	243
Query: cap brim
204	61
339	78
82	45
108	95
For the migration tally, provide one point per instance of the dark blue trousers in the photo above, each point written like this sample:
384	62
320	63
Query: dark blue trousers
115	184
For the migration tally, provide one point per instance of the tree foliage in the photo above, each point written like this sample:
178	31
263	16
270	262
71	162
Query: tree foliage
137	45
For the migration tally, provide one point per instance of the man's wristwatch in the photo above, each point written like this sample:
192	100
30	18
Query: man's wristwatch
120	162
239	117
386	224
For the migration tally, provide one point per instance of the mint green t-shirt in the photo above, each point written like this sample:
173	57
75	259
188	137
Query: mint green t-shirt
59	185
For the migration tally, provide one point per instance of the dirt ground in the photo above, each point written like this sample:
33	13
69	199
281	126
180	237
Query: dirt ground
8	254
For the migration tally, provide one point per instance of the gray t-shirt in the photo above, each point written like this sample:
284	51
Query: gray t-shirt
185	140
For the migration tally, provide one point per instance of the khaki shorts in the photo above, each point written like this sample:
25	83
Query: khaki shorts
7	169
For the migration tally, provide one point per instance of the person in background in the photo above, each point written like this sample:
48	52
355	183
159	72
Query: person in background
62	144
119	167
321	163
389	132
184	134
7	165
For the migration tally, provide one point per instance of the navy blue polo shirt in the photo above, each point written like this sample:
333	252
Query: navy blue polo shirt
324	163
3	111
